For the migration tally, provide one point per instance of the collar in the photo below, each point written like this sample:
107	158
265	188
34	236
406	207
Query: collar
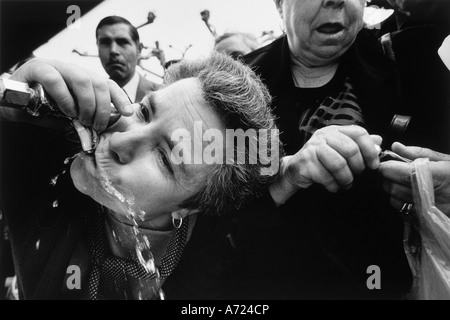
131	87
122	245
272	63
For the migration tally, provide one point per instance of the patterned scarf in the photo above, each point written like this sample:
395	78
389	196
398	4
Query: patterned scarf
109	274
339	109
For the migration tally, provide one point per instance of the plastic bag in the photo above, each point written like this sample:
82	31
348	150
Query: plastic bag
427	240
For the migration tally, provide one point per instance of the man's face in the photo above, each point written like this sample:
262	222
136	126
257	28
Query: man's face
233	46
135	155
118	52
320	31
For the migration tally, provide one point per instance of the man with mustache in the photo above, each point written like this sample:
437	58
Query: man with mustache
119	50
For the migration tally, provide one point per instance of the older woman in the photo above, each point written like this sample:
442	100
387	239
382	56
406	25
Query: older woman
118	222
331	85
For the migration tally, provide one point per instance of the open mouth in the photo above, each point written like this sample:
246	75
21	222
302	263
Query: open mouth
330	28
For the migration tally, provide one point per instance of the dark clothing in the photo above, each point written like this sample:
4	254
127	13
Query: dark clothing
320	245
144	87
421	12
45	234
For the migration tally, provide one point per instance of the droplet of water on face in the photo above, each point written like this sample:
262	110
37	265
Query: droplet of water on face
55	204
38	243
130	202
140	296
141	215
107	185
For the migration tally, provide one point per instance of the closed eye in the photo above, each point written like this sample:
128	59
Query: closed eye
165	161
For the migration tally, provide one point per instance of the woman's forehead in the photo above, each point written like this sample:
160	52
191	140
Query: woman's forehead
183	103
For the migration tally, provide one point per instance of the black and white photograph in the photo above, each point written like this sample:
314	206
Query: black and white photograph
234	156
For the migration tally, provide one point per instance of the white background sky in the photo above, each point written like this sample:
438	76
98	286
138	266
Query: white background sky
178	24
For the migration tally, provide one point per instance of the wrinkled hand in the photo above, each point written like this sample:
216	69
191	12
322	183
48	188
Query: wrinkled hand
398	181
79	93
331	158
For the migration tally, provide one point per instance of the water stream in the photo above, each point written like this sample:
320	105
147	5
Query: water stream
143	246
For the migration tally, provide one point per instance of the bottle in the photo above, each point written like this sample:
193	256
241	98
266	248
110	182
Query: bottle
35	100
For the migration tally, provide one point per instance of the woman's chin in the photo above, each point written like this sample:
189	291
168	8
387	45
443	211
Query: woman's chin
84	179
78	174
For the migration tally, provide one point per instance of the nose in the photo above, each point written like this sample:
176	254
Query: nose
333	3
114	48
127	145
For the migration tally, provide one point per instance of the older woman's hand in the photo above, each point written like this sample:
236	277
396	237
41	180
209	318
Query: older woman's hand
79	93
332	157
398	176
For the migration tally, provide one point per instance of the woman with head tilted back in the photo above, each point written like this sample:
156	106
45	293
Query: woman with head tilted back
134	216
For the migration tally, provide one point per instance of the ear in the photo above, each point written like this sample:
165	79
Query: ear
140	46
279	5
183	213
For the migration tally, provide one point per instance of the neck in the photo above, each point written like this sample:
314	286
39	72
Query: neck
122	82
122	241
307	76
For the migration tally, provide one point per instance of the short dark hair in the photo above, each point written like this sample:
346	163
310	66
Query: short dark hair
111	20
241	99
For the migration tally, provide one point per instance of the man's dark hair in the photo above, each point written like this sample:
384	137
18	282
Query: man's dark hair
111	20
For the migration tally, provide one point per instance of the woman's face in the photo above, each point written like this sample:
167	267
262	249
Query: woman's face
320	31
135	155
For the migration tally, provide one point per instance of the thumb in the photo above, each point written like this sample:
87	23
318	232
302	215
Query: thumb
120	99
378	140
418	152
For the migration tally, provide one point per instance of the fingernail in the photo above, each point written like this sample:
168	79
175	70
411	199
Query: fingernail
85	135
128	108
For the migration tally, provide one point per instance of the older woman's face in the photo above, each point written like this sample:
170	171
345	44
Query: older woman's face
135	155
320	31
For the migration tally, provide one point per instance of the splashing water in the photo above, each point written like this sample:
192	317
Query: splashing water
143	252
143	246
54	180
